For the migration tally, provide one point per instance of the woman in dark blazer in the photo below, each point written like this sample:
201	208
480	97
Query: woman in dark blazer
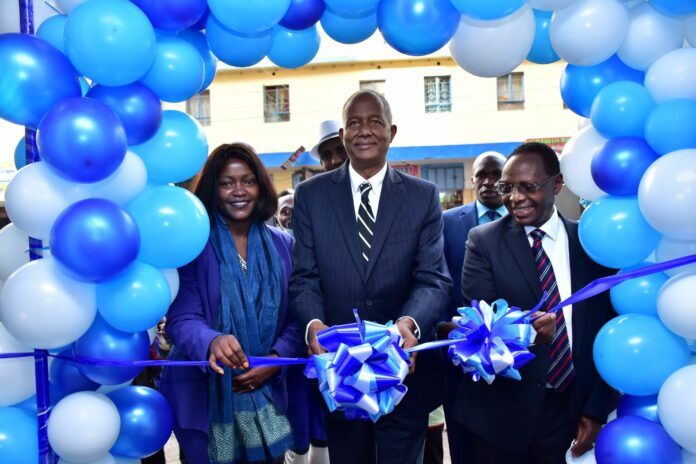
232	303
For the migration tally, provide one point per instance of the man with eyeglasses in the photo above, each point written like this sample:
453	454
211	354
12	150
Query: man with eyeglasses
535	251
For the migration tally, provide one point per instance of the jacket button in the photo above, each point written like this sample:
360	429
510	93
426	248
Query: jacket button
368	303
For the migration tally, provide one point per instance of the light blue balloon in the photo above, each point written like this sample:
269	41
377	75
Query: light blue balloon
615	234
349	30
635	353
351	8
20	154
638	295
173	224
542	52
51	30
249	16
670	126
110	41
198	40
236	49
293	49
19	441
674	7
176	152
177	73
489	9
620	110
135	300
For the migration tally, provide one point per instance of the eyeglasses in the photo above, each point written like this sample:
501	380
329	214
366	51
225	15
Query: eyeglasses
506	188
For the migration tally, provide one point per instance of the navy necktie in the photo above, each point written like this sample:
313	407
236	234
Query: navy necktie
492	214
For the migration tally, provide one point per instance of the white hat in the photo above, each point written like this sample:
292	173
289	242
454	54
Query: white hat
327	131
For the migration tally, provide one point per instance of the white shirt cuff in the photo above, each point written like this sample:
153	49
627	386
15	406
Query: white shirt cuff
306	332
417	332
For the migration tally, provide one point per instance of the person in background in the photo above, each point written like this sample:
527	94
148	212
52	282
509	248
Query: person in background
329	151
284	213
232	304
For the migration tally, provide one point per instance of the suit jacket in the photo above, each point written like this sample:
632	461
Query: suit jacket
191	322
406	274
499	264
458	222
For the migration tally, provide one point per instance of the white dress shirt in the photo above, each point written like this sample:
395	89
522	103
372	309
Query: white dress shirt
555	245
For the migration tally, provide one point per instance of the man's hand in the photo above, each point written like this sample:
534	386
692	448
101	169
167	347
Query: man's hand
314	345
585	437
226	349
545	327
253	378
444	329
406	328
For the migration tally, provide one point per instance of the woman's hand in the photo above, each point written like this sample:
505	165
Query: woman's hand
254	377
227	350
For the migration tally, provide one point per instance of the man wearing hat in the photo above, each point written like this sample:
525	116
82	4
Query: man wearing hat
329	151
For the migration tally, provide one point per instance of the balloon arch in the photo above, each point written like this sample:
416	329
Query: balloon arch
100	154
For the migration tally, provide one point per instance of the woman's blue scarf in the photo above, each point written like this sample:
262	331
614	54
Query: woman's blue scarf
246	427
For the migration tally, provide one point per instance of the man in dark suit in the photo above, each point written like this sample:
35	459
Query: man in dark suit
561	396
487	207
370	237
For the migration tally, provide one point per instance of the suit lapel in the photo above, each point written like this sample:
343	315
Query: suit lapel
389	205
577	281
517	242
342	199
468	217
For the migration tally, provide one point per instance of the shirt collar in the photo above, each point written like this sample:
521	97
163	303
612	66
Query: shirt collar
356	179
482	209
550	227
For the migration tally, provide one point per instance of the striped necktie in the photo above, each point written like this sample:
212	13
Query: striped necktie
492	214
561	371
366	220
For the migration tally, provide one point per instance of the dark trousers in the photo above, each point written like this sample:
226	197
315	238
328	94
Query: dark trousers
459	439
434	452
552	436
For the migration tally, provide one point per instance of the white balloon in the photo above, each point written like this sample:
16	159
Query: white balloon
35	197
123	185
16	374
550	5
172	276
493	48
672	76
9	15
676	305
676	406
66	6
670	249
589	31
690	29
14	246
667	195
650	35
44	308
576	160
83	427
108	459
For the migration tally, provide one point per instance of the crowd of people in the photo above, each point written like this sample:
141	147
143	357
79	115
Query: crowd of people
280	268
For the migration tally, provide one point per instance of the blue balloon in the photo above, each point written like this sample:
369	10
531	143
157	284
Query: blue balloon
66	378
176	152
82	140
198	40
51	30
135	300
669	126
417	27
488	10
236	49
20	154
620	109
249	16
19	441
105	343
542	52
138	108
303	14
293	49
146	421
177	73
173	16
641	406
349	30
200	24
638	295
35	76
634	440
674	7
110	41
173	224
615	234
619	165
581	84
94	239
635	353
351	8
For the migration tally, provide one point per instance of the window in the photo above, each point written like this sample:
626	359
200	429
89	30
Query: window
511	92
437	94
377	86
276	103
199	107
